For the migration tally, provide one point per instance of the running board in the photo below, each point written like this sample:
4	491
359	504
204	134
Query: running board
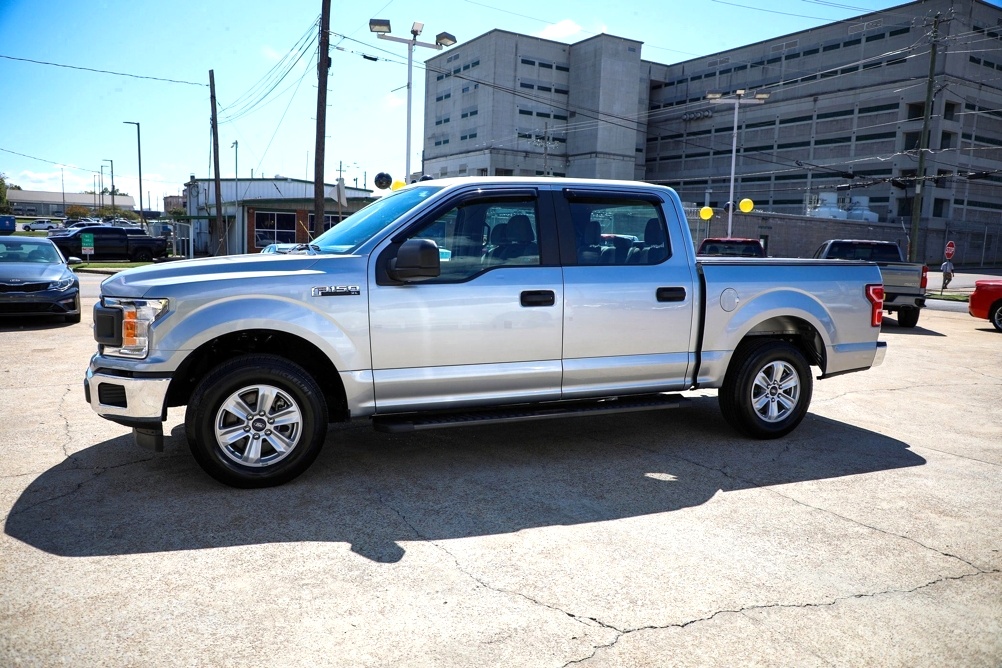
396	424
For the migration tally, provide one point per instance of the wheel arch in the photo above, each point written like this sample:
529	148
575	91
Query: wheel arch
250	341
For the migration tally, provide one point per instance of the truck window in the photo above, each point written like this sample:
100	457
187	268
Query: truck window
619	231
482	233
869	252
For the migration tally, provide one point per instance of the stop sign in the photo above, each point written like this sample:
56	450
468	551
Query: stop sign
951	248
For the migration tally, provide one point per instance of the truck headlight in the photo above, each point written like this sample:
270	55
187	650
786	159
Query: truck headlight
132	339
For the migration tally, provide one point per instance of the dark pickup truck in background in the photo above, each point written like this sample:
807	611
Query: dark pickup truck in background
111	243
904	283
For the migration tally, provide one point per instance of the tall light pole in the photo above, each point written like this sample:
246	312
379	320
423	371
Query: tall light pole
382	29
101	185
737	99
112	184
236	184
139	149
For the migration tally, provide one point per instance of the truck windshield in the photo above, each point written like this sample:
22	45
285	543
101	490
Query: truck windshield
359	227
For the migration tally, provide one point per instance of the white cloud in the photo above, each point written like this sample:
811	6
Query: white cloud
271	54
561	30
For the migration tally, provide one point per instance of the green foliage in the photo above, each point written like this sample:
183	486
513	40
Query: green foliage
77	211
4	204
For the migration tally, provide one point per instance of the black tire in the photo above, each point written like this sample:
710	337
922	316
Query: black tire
908	317
282	451
142	255
767	389
995	315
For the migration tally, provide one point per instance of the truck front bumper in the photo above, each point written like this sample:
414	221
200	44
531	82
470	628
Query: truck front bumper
130	401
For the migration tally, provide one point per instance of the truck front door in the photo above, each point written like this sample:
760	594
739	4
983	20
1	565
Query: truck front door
488	329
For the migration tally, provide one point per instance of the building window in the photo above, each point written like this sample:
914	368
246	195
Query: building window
562	68
272	227
526	61
330	220
526	85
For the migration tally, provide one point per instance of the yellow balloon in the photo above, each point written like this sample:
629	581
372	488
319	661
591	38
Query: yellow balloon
397	185
746	205
706	213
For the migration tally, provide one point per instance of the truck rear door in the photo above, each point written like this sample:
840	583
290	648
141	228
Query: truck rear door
628	293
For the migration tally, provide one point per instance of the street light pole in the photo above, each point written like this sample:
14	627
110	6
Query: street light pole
139	149
236	184
112	185
382	29
737	100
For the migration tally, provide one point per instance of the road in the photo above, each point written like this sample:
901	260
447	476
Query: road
870	536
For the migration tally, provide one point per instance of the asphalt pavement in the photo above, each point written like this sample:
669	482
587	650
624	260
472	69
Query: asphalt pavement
868	537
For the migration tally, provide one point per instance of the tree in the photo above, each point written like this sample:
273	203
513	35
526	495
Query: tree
177	213
77	211
4	204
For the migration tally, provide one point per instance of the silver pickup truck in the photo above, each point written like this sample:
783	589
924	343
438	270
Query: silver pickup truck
465	301
904	283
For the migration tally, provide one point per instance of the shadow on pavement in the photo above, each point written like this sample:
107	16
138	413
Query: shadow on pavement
917	330
374	491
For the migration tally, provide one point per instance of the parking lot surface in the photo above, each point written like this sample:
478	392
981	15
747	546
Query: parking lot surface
871	536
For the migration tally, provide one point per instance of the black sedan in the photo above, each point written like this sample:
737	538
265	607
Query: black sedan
36	280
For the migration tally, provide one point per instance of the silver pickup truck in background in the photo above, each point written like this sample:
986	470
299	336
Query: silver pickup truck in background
904	283
466	301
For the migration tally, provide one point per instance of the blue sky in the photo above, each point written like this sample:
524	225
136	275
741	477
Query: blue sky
57	117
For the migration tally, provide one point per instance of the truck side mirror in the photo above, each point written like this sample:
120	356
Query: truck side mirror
416	260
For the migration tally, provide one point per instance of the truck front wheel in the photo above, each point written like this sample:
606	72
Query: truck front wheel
256	421
767	389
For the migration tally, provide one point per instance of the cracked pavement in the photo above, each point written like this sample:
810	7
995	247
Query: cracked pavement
871	536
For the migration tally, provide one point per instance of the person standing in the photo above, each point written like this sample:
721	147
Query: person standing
947	269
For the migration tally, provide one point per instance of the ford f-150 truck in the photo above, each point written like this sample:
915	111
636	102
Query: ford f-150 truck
464	301
904	283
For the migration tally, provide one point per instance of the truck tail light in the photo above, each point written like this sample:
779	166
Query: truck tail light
925	277
875	294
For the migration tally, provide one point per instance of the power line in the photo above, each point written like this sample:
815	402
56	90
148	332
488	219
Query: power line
91	69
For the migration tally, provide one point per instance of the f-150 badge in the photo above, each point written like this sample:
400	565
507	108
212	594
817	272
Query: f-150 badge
335	290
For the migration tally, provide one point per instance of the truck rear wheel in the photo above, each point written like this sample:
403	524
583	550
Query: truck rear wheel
908	317
767	389
142	255
256	421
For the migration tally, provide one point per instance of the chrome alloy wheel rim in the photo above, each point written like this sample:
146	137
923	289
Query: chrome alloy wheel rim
258	425
776	391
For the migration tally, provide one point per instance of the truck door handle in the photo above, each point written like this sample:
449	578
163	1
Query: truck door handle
538	298
673	294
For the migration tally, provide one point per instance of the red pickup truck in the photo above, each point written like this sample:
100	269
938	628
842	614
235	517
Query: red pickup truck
986	302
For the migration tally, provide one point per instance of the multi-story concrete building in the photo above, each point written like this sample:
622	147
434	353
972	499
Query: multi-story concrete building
842	123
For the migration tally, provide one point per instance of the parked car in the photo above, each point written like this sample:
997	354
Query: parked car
111	243
376	322
986	302
40	224
904	283
279	248
731	247
35	280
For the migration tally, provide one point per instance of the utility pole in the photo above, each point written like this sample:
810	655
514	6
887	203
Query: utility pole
215	166
923	146
323	67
